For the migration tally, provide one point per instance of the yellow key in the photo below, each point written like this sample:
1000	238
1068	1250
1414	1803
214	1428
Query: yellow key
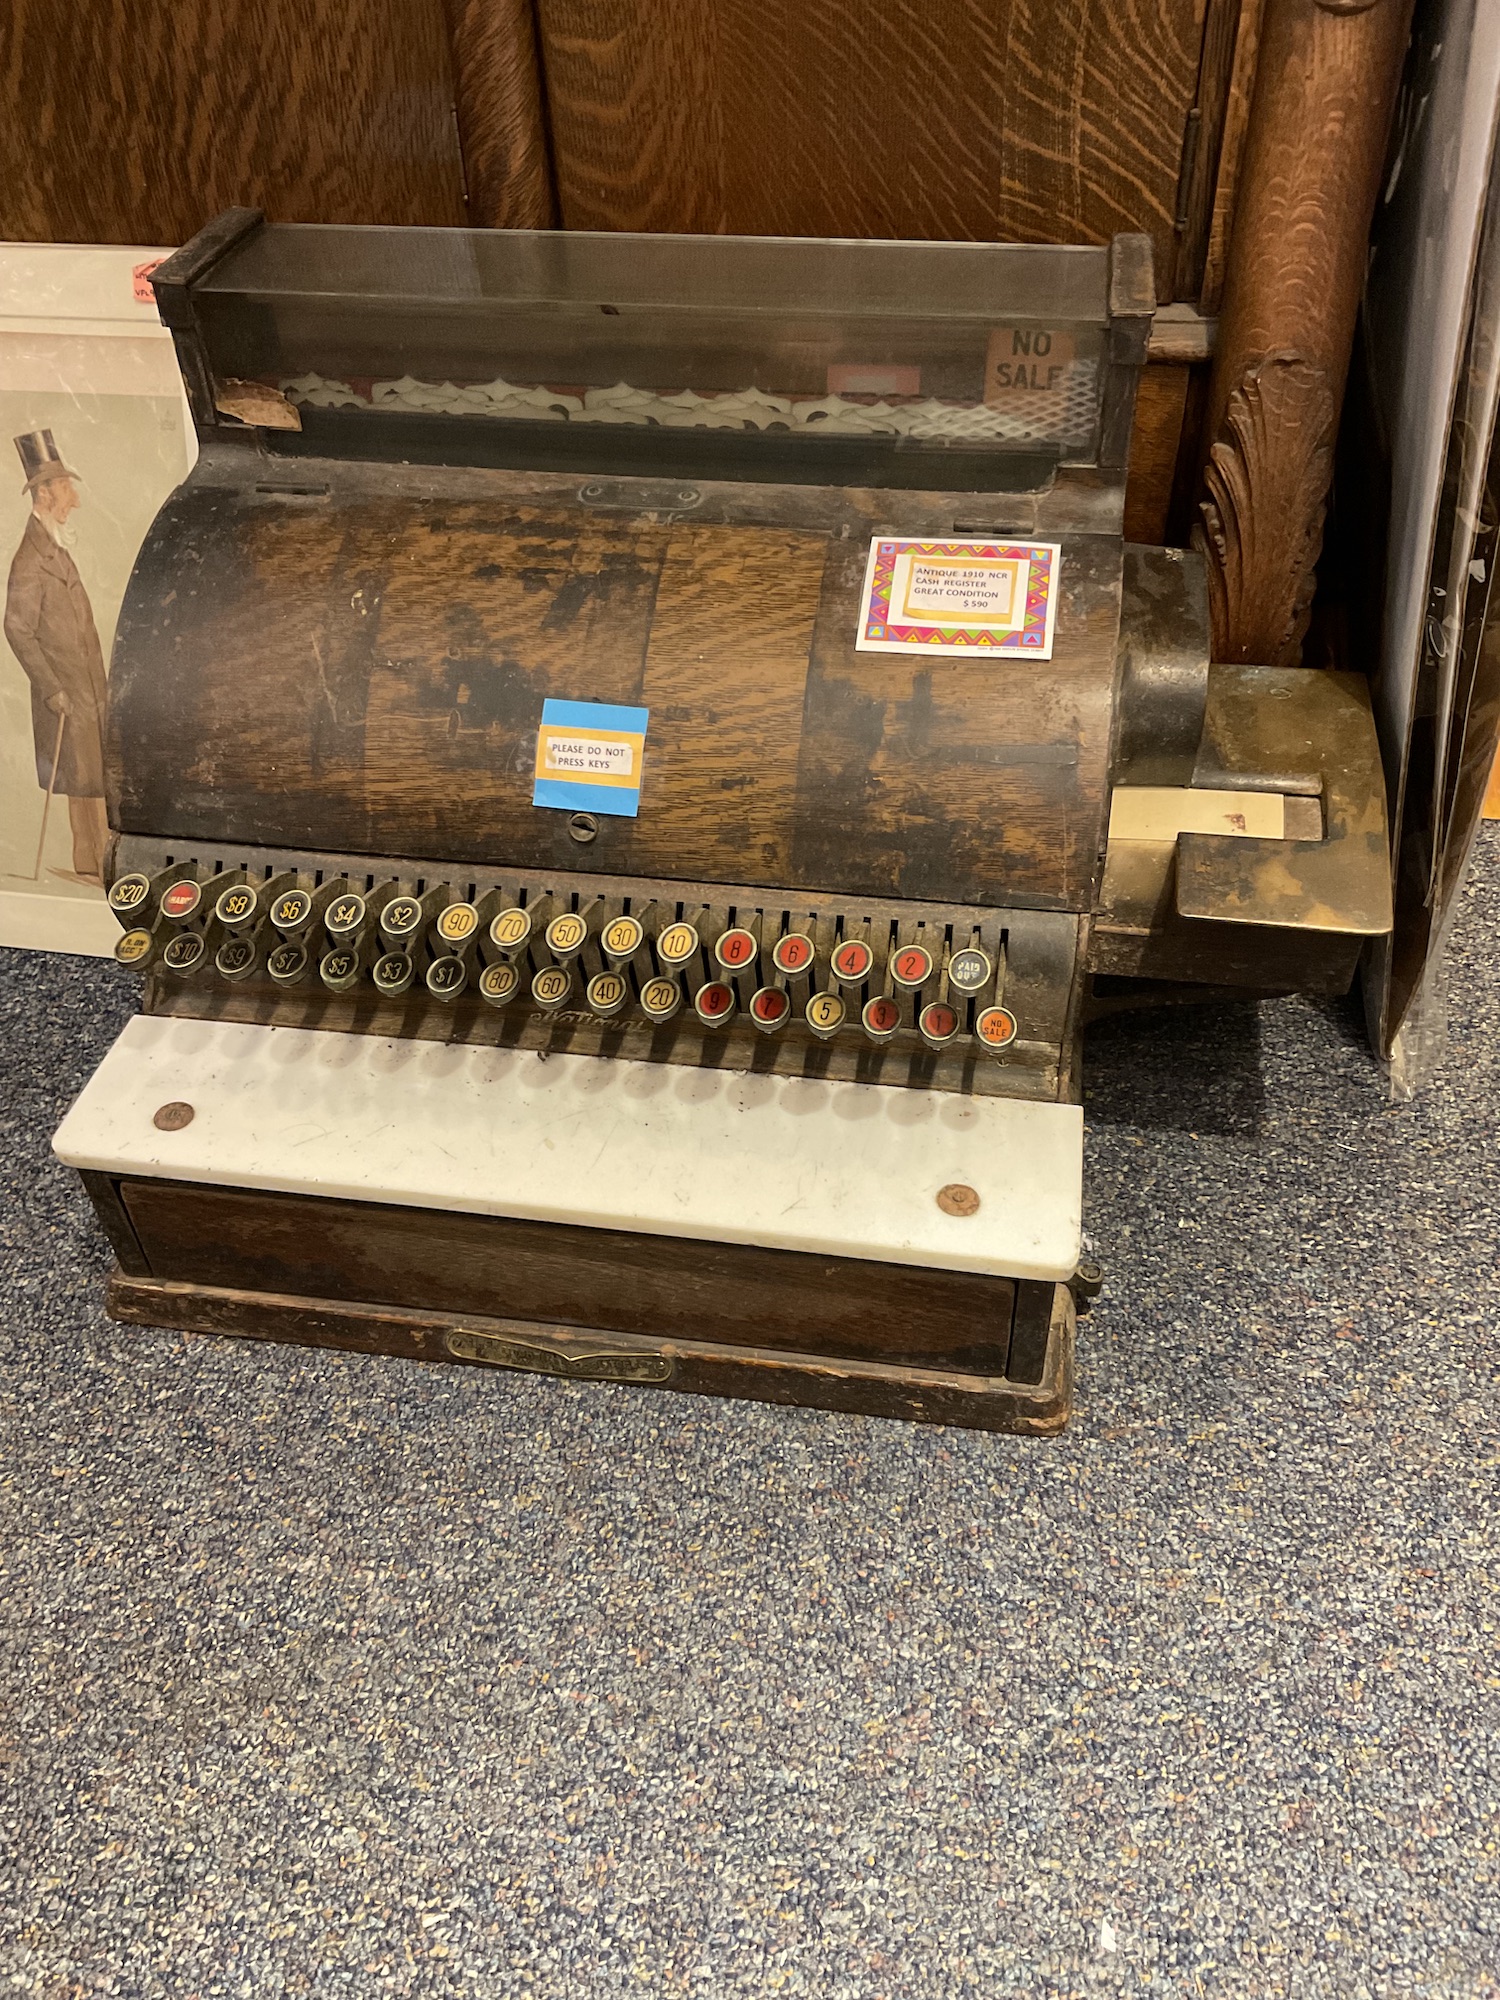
607	993
677	944
622	937
511	929
565	934
458	923
825	1014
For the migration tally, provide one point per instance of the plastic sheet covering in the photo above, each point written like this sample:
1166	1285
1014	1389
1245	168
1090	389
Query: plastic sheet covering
95	433
1433	313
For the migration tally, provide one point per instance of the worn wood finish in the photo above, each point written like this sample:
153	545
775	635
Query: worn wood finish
1061	124
1326	78
501	118
758	1374
1236	128
128	121
609	1279
387	657
1203	144
103	1191
1160	402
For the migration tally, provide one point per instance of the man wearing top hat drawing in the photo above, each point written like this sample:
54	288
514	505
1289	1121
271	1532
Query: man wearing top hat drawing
50	625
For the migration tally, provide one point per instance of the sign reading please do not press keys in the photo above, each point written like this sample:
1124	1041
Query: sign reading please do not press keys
589	756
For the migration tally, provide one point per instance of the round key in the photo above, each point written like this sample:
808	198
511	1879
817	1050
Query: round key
736	949
392	973
551	986
235	958
134	948
510	929
911	966
565	934
995	1029
180	901
677	944
291	910
770	1009
970	970
129	895
852	961
447	977
499	983
457	924
825	1014
714	1004
660	999
621	938
344	916
793	953
287	965
881	1018
938	1024
607	993
339	969
183	952
236	906
401	919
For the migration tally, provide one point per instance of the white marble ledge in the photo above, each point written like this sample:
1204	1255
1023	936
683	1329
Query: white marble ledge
843	1169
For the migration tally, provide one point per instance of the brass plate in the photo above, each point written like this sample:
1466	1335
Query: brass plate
501	1352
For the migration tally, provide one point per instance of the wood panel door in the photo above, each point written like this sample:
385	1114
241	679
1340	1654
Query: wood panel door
135	121
998	119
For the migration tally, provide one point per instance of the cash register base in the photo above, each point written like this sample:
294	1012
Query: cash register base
942	1395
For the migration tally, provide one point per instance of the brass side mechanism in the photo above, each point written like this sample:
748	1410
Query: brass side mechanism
1292	729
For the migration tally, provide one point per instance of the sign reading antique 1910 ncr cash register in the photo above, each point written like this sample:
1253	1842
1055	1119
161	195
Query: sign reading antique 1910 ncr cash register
964	596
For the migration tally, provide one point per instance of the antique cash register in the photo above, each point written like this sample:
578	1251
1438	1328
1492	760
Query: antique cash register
631	760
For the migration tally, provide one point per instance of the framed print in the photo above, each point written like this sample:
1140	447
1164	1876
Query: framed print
94	434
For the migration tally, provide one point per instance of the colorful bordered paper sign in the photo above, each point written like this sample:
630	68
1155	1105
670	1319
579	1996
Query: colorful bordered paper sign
588	757
969	596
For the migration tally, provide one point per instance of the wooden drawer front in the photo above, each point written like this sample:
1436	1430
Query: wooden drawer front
620	1282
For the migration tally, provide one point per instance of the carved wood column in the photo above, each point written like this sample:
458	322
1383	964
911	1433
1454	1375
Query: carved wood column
502	128
1325	87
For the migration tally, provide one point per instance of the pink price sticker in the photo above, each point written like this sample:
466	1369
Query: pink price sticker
140	281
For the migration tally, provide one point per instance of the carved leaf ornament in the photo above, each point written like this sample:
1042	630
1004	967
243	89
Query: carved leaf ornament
1267	477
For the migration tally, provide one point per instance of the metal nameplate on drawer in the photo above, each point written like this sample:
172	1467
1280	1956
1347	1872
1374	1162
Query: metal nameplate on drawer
502	1352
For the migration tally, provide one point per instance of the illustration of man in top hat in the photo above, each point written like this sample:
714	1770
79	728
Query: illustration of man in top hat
50	625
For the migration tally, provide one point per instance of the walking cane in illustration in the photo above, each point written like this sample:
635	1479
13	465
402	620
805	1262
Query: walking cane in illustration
49	623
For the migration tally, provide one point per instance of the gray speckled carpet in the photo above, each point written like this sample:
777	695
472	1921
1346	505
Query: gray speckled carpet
332	1675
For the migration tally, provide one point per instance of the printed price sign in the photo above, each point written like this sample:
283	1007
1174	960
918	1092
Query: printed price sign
967	596
588	757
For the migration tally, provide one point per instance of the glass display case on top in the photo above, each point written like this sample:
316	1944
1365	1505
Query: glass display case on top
961	366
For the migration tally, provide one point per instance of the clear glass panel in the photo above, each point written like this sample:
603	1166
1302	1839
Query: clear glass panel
917	343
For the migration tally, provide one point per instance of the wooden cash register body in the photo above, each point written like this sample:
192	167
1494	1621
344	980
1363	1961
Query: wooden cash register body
331	664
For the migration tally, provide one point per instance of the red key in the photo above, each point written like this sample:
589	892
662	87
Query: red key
912	965
793	954
882	1017
180	900
852	961
734	949
714	1003
939	1023
770	1007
